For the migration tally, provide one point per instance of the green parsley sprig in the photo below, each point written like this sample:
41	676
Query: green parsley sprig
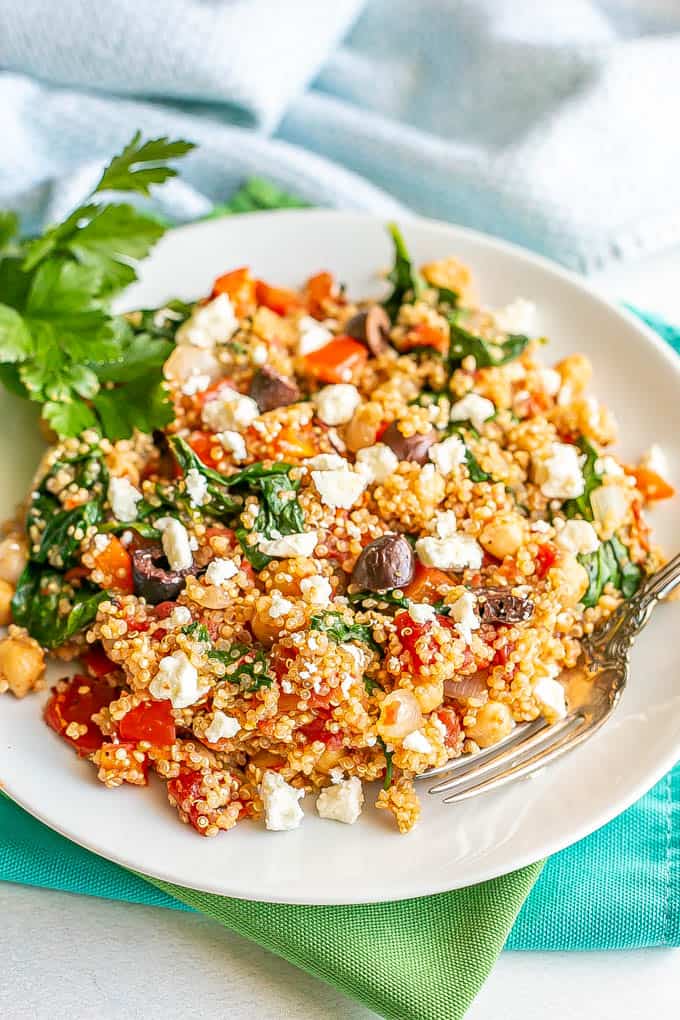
60	345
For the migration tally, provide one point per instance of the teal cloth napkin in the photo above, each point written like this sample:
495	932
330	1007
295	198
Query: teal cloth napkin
617	889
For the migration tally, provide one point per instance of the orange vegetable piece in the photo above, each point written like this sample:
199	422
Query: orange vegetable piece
277	299
292	442
239	285
651	485
203	443
115	561
337	361
427	581
319	290
424	335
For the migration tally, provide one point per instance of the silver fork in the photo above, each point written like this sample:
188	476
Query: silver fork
593	691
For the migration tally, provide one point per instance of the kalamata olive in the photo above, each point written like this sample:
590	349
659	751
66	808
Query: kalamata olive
270	390
387	562
371	327
498	605
408	447
152	578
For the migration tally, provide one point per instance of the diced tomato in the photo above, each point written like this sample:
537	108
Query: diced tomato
278	663
427	581
137	626
277	299
97	662
424	335
651	485
151	721
203	443
449	719
319	290
336	361
238	285
185	790
503	654
412	634
317	729
77	703
545	559
115	561
381	429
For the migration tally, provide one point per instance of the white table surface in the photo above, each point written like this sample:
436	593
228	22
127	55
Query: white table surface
65	957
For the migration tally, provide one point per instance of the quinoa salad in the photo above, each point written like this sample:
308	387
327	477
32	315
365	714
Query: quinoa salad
367	541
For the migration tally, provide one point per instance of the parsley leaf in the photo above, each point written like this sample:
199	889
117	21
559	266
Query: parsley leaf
142	164
339	630
198	631
404	278
245	663
55	322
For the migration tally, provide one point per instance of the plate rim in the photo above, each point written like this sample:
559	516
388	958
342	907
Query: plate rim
546	847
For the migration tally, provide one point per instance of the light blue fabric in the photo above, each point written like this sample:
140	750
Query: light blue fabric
552	124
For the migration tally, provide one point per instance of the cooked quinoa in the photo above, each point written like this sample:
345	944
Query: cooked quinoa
369	542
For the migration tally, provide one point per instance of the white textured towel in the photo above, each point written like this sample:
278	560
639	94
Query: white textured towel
551	123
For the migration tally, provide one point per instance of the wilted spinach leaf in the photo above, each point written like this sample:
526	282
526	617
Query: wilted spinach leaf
610	563
251	665
37	600
339	630
486	354
405	279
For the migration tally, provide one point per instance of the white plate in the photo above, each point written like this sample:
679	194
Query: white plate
322	861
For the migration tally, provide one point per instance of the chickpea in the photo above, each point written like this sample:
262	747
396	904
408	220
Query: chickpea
494	721
429	695
13	556
399	715
503	535
569	579
267	626
576	372
449	273
22	661
360	431
6	593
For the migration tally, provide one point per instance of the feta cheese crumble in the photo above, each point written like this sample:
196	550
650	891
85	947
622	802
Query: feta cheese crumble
230	412
222	727
302	544
421	612
339	487
197	487
336	404
316	590
220	571
179	617
177	681
282	810
558	473
234	443
474	409
516	317
341	802
313	335
578	537
176	543
418	742
209	324
550	698
454	553
326	462
377	461
448	454
280	606
196	383
551	381
123	497
466	619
